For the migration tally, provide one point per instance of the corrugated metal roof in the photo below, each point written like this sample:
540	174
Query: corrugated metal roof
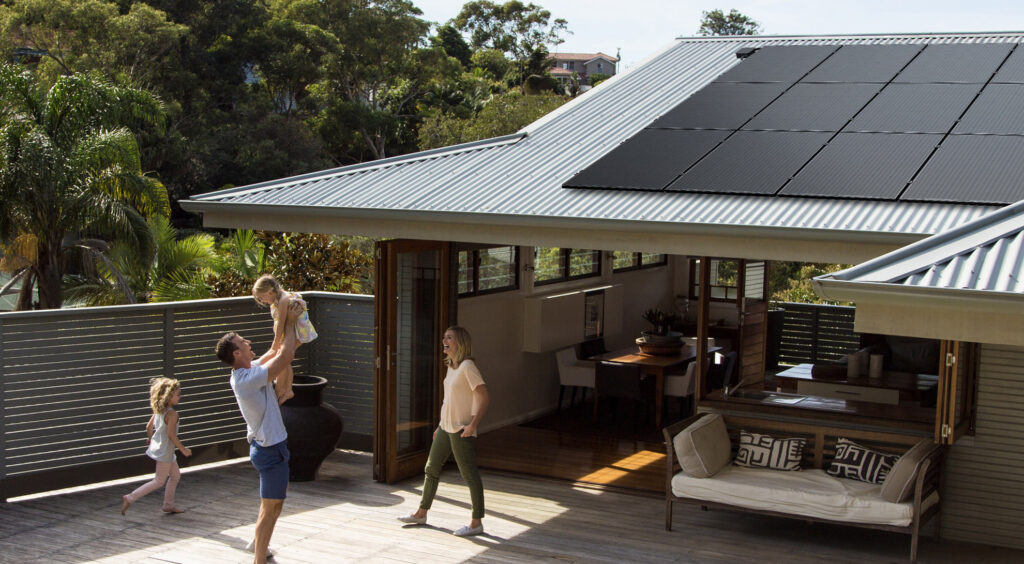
517	178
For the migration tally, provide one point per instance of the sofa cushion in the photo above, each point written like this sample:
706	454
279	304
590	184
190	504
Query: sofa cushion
899	484
703	448
860	463
763	451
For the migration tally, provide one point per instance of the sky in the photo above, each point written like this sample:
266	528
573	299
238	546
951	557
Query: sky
640	28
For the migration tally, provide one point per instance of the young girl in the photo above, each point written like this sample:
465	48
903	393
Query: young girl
465	401
267	291
162	432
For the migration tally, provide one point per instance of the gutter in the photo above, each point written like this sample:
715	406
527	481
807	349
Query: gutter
899	294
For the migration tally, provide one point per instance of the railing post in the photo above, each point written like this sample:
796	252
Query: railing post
815	327
3	415
168	342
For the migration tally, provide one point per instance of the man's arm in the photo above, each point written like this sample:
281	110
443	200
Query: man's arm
283	358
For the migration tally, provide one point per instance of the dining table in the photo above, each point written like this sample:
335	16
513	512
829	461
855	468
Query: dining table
655	365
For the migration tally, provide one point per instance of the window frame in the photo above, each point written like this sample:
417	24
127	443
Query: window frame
565	259
474	267
638	258
741	283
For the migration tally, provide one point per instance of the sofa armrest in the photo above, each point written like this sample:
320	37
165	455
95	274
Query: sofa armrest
927	479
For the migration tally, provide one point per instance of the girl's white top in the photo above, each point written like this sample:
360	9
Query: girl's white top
161	448
459	404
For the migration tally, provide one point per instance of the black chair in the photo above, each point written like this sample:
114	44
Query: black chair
623	381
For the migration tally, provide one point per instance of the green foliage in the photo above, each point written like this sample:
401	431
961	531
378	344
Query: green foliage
70	170
598	77
791	281
504	114
451	42
717	22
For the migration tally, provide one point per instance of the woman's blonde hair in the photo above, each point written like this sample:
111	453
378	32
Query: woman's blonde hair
160	392
266	283
463	346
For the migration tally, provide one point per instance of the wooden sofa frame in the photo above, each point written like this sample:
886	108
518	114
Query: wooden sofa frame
818	452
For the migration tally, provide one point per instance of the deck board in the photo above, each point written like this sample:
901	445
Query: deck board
346	517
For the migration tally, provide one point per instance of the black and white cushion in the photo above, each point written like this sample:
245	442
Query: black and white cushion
762	451
859	463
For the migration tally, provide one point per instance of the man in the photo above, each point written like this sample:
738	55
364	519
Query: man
252	382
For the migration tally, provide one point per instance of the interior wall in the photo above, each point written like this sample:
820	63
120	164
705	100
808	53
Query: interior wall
525	385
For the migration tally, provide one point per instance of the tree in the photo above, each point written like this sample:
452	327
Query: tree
175	271
450	40
70	172
504	114
716	22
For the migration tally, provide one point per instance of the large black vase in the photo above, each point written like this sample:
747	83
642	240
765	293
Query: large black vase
313	427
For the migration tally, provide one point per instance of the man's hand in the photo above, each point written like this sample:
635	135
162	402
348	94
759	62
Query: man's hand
294	311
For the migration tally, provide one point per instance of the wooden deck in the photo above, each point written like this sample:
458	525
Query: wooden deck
346	517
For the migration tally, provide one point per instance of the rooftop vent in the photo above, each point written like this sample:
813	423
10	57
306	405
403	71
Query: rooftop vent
745	52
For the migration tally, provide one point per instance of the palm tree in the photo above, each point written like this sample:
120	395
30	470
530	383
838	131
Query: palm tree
70	172
176	271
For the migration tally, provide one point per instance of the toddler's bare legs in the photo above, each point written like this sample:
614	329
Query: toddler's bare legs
283	386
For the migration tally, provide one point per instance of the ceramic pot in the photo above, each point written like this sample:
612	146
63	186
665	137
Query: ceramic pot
313	427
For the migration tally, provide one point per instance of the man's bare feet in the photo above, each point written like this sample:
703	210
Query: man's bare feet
287	395
173	510
125	504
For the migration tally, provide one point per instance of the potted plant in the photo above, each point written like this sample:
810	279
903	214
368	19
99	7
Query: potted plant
661	321
660	339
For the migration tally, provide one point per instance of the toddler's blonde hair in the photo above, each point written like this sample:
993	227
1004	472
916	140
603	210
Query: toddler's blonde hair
266	283
160	391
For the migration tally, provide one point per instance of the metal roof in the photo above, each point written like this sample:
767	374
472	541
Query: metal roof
516	180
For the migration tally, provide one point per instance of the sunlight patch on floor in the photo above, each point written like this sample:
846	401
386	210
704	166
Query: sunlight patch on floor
624	466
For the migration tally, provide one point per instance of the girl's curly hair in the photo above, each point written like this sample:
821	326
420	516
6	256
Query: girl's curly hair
160	391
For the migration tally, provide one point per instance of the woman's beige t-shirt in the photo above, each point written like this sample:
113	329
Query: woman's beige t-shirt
459	403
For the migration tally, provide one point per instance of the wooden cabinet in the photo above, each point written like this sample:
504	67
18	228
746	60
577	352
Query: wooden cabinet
848	392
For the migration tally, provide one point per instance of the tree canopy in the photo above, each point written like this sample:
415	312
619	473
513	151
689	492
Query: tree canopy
717	22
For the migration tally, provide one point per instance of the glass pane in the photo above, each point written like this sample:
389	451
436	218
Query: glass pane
652	258
624	259
547	264
584	263
593	312
497	268
466	272
724	273
418	344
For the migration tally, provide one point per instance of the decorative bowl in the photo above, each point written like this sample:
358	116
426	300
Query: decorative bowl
659	348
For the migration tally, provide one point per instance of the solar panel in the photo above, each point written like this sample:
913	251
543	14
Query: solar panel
720	106
983	169
778	63
915	108
955	63
997	110
864	63
814	107
647	161
751	162
1012	70
863	165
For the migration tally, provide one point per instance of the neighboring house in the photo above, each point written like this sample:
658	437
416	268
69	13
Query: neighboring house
581	64
700	153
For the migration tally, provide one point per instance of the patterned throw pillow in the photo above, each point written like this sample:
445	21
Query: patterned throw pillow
762	451
858	463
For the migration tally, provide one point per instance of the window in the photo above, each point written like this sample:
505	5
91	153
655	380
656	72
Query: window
725	279
600	67
554	264
625	260
485	269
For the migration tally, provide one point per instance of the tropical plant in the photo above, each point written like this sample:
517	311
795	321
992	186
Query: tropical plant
70	173
176	271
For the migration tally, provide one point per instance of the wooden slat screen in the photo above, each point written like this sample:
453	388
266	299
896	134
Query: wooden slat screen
75	383
816	333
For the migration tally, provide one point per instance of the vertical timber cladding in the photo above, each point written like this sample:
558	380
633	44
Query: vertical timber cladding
984	485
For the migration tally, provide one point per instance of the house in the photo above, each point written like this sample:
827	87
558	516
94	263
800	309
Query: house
839	149
565	65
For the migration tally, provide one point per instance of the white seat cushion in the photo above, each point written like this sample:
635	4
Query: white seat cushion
810	493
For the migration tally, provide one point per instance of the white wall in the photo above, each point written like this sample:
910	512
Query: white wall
524	385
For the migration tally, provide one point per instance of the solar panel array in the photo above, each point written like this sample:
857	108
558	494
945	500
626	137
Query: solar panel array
933	123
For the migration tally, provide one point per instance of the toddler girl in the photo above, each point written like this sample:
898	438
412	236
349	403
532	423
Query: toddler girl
267	291
162	432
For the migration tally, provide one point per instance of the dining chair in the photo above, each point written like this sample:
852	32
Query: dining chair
681	386
622	381
573	373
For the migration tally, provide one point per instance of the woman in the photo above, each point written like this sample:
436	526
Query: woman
465	401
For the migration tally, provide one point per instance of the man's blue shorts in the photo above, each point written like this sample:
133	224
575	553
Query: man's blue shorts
272	464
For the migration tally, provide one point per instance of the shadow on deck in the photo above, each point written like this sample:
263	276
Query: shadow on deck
345	517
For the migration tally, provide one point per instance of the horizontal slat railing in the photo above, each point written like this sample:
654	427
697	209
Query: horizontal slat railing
74	383
813	333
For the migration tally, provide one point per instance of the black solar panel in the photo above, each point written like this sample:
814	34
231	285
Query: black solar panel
999	109
864	63
647	161
814	107
782	63
983	169
863	165
751	162
955	63
915	108
720	106
1012	70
